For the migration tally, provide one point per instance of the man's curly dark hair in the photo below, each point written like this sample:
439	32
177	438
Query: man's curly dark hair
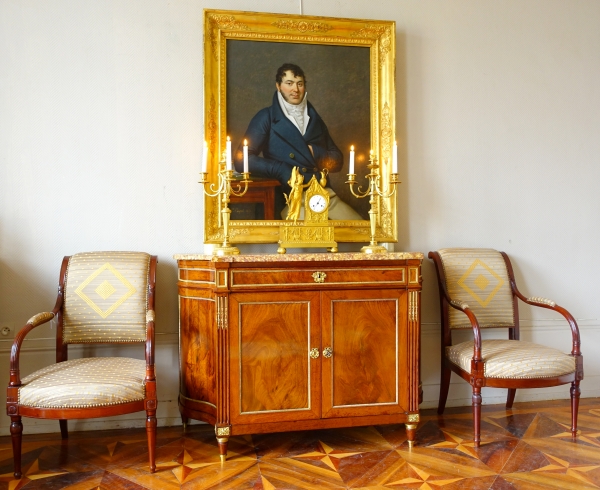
295	69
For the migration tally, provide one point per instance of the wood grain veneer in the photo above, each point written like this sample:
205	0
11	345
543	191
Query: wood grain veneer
248	329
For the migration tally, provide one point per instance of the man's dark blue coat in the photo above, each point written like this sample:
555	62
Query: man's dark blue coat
275	146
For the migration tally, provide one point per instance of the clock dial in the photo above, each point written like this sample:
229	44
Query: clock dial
317	203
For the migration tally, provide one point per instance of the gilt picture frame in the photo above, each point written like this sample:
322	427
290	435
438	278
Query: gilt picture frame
350	73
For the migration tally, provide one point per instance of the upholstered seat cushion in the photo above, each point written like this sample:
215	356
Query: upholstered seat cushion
81	383
513	359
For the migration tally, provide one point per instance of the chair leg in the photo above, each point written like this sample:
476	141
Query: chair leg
476	415
151	433
16	432
444	387
575	393
510	399
64	431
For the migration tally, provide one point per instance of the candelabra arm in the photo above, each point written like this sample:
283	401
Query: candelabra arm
210	189
239	191
386	193
358	192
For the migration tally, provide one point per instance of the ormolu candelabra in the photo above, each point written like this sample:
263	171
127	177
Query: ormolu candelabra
224	189
374	191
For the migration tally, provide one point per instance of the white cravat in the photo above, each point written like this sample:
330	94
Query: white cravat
298	114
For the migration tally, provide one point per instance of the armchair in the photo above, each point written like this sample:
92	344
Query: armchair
478	290
103	297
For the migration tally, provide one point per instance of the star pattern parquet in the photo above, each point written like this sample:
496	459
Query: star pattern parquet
528	447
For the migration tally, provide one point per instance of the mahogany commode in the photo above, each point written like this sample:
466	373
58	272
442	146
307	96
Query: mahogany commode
274	343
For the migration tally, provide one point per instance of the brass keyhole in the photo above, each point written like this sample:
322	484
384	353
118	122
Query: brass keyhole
319	276
314	353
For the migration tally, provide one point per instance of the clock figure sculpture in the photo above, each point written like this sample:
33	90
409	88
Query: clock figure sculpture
294	201
315	230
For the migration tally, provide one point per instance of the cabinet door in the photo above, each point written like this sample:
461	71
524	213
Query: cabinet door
272	376
367	334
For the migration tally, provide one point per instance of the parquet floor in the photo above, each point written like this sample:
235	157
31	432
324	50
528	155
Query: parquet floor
528	447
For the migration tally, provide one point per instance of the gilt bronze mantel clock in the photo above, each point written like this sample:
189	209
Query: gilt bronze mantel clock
315	230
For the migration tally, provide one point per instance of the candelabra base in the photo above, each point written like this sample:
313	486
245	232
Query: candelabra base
226	250
373	249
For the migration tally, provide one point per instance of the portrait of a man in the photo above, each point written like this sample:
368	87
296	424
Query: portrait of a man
290	133
287	128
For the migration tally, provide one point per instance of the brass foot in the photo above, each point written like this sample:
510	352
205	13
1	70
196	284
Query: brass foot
374	249
226	250
410	434
222	442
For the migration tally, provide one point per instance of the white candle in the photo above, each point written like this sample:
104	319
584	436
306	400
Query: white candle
351	165
395	159
205	157
228	153
246	156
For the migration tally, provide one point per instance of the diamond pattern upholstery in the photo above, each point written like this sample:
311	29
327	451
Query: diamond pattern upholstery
105	297
480	280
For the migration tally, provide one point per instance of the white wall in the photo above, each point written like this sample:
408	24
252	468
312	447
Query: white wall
498	113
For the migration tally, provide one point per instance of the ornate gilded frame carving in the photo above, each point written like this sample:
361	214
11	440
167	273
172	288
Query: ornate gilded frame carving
378	36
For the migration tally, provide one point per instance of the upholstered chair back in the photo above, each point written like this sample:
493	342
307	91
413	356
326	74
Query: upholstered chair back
106	297
478	277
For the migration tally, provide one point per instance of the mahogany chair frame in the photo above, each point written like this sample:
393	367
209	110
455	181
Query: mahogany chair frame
16	411
476	377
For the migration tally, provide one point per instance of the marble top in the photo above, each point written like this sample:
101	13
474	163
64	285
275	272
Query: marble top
304	257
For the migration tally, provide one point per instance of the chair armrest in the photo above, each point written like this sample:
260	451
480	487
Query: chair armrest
546	303
459	305
464	307
32	323
551	305
150	373
40	318
150	317
536	300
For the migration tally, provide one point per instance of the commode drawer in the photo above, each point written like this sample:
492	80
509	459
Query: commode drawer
196	275
367	276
